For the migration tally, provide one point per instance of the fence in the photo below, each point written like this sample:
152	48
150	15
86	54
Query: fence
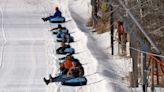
142	21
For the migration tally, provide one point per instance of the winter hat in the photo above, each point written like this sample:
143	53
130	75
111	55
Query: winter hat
56	8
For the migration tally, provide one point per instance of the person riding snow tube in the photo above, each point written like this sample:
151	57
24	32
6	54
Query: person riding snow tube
65	37
67	80
67	64
70	73
64	49
58	29
56	18
77	73
71	66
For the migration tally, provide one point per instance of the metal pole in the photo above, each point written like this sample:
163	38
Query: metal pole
143	72
152	75
140	27
112	30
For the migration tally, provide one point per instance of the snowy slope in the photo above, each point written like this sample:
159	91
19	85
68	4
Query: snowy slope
23	58
100	78
27	48
113	69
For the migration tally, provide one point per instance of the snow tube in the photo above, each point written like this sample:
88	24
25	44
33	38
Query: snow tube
57	20
71	39
70	50
60	35
56	31
79	81
66	51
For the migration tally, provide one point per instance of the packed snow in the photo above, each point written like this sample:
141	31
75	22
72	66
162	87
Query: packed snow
100	67
28	49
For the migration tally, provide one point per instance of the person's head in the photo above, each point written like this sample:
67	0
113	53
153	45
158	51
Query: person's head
69	57
56	8
59	26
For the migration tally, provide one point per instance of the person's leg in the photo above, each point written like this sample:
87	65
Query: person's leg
64	71
47	18
50	17
61	78
52	79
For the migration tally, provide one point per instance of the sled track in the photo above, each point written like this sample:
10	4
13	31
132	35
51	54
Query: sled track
4	37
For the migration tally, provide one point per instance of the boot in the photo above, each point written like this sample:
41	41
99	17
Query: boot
44	19
46	81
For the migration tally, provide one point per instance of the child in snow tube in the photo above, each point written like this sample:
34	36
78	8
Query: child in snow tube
64	36
64	49
56	18
58	29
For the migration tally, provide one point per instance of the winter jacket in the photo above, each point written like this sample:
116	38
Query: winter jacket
68	64
58	13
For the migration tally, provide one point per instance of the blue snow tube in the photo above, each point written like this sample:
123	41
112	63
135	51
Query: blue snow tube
57	19
70	39
60	34
56	31
79	81
70	50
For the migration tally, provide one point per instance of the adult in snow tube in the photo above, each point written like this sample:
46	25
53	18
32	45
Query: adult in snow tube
71	66
56	18
67	64
70	70
64	49
78	76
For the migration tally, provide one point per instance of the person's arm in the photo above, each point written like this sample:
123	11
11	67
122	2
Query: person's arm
62	58
70	72
53	29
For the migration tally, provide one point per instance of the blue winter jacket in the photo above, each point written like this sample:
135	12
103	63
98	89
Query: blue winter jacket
58	14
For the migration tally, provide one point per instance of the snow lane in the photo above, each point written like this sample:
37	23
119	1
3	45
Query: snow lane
25	54
81	47
4	38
